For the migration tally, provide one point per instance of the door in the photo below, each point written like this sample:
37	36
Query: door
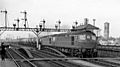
72	40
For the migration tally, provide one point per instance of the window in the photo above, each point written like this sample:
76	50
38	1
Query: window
82	37
53	39
75	37
88	36
93	38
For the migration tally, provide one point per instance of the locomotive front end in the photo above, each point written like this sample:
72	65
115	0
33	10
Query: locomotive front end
88	44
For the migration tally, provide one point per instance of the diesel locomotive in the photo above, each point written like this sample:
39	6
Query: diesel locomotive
78	43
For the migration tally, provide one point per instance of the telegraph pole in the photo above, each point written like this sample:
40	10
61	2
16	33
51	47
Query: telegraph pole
17	21
5	11
25	18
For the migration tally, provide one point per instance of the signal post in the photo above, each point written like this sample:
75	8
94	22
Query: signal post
37	32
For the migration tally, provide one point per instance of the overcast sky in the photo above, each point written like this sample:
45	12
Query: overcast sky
68	11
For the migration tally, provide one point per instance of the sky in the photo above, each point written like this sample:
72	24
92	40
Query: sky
68	11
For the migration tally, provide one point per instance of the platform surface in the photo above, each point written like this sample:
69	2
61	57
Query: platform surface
7	63
87	64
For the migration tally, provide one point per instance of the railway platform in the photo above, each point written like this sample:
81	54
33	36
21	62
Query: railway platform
84	63
7	63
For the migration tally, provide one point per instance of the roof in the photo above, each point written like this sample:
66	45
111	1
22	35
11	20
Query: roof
71	33
87	26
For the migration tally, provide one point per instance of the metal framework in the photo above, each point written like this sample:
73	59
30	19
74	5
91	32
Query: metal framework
25	18
34	29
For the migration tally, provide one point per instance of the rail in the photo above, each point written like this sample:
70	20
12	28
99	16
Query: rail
25	58
49	59
62	63
13	59
60	53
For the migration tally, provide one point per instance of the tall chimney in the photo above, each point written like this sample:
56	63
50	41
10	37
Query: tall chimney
86	21
106	30
94	21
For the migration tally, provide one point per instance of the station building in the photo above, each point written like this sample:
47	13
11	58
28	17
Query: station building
90	27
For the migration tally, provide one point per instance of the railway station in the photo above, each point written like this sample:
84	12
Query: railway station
69	33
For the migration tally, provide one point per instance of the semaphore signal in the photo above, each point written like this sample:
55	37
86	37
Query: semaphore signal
18	20
25	18
5	11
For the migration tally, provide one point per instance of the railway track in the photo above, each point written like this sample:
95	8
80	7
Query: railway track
49	54
15	55
57	63
100	62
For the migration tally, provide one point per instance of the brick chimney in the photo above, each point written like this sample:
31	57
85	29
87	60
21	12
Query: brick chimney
86	21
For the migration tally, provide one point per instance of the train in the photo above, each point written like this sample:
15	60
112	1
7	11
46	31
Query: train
81	43
76	44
